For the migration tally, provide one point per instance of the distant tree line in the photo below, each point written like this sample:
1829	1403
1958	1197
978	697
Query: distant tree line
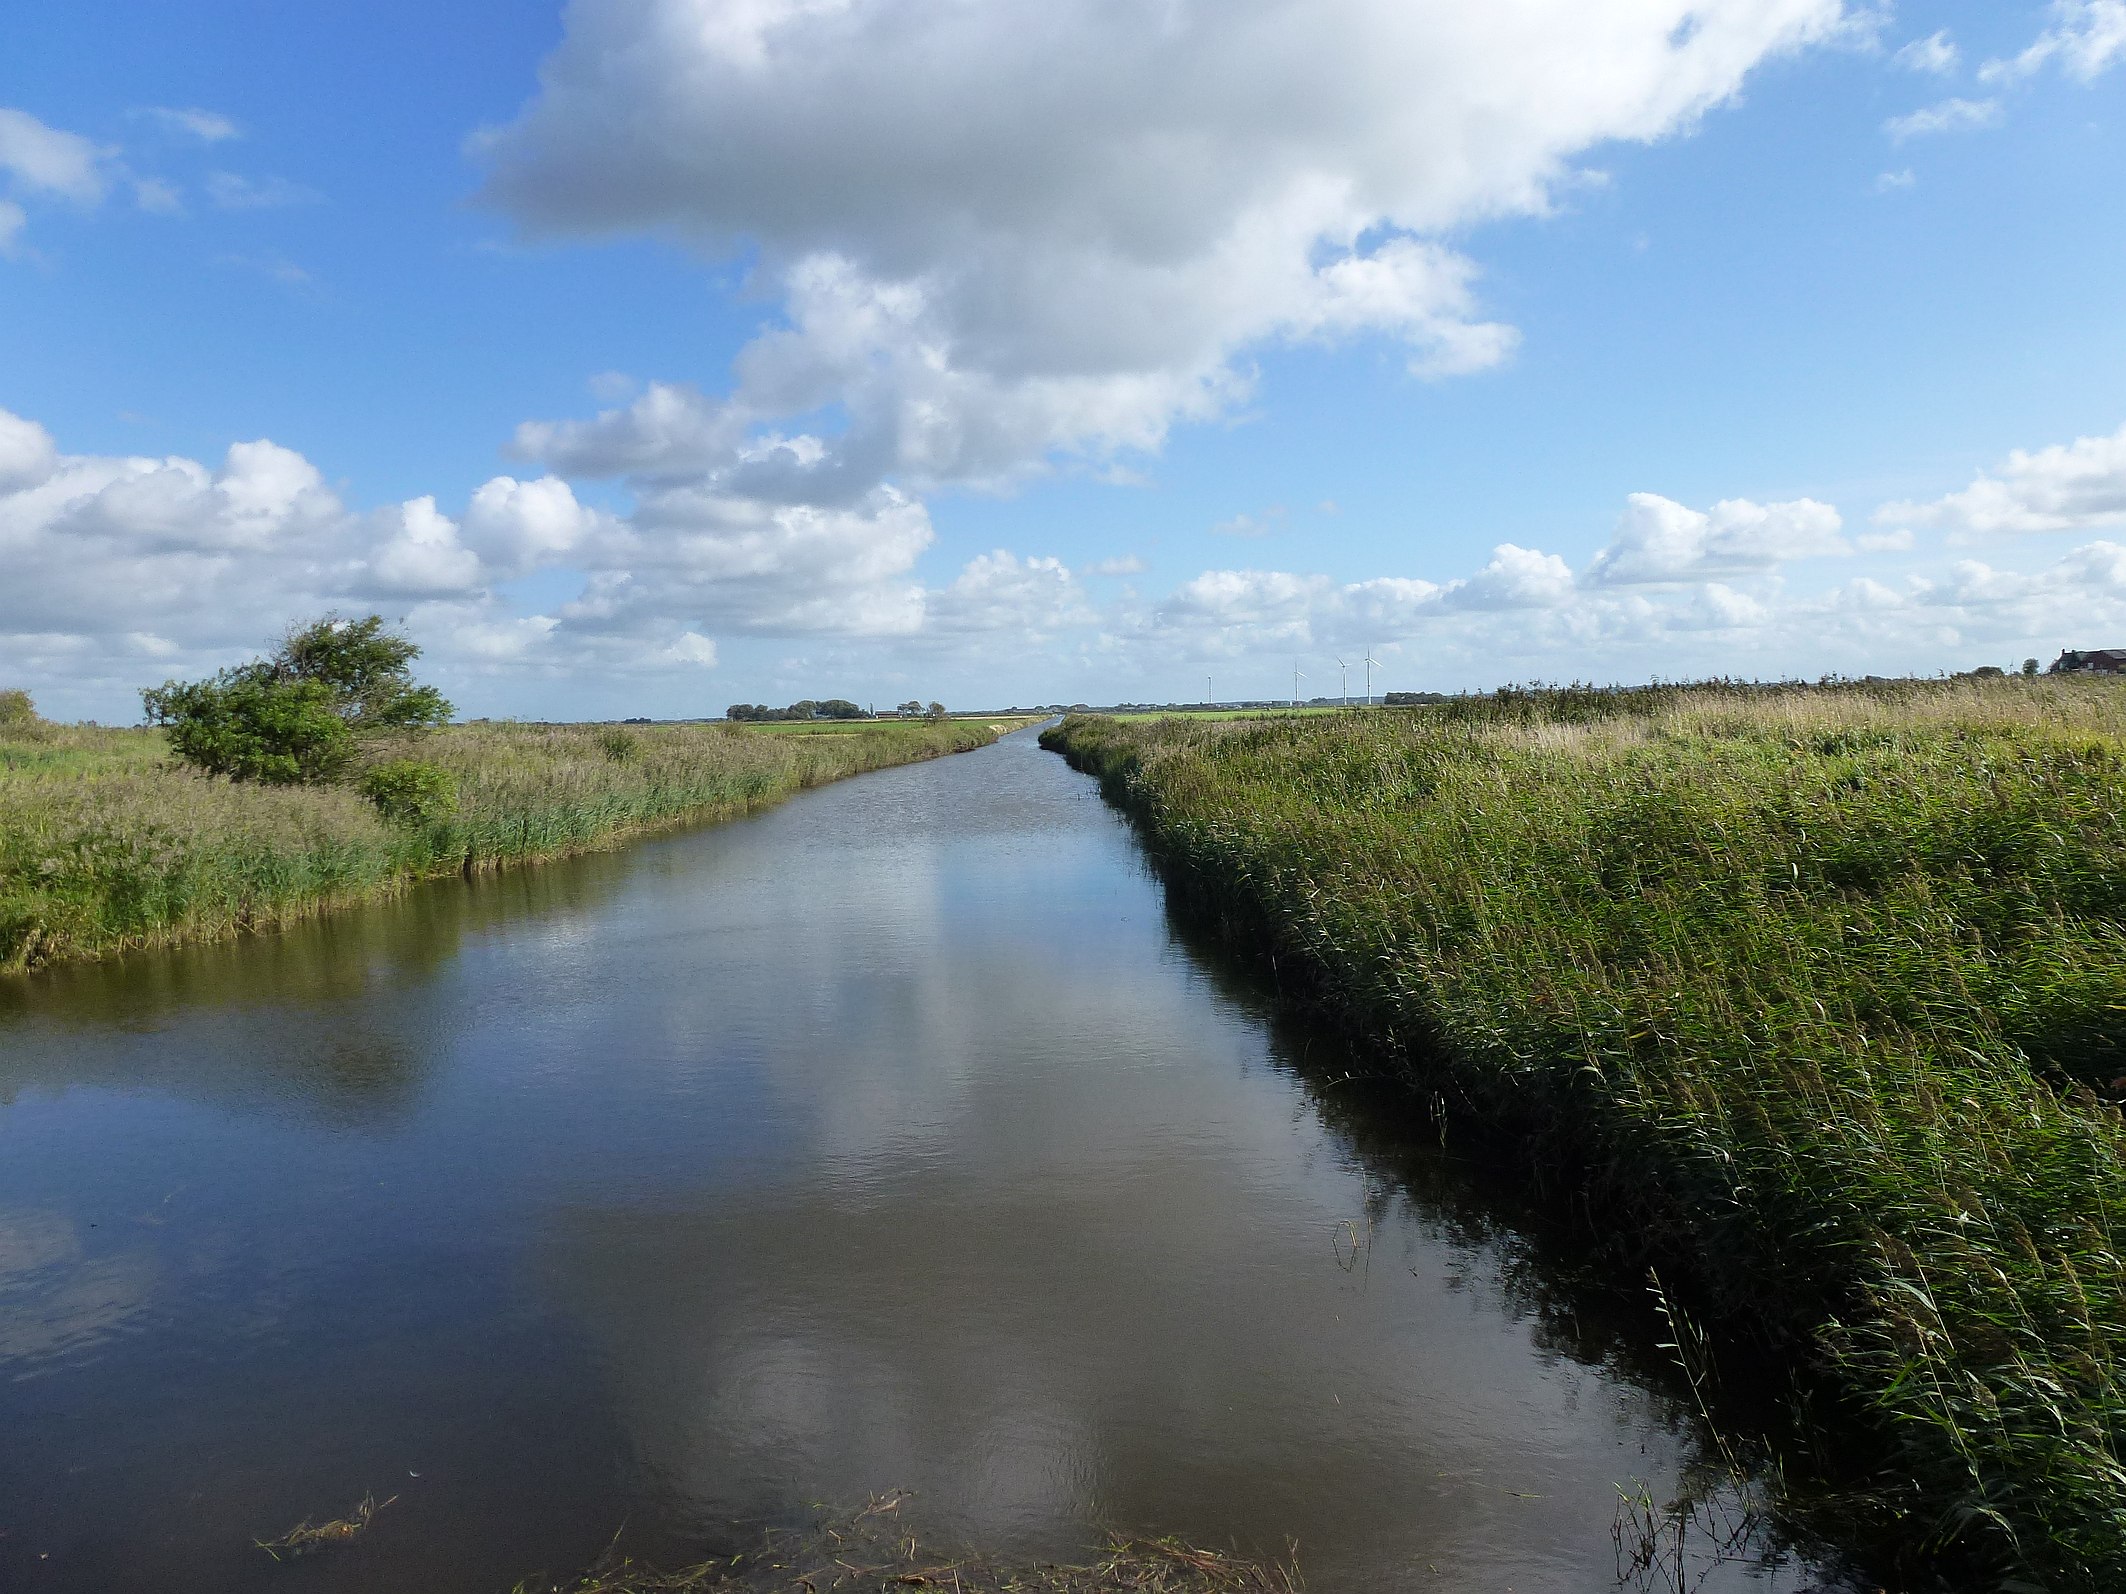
833	708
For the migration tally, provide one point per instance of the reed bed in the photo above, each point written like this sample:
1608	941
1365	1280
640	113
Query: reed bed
105	844
1812	996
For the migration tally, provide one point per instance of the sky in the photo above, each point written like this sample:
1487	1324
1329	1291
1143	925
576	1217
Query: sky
641	357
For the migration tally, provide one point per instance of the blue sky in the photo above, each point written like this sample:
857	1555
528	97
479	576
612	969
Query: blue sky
941	354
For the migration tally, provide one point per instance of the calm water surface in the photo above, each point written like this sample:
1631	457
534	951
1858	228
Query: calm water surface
892	1139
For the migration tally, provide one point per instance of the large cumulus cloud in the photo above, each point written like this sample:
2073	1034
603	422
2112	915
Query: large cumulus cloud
1001	231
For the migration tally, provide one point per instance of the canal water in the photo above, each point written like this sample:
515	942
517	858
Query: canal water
895	1138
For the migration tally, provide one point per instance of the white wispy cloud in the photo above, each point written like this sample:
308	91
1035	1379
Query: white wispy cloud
208	127
2086	39
1935	54
1949	116
233	191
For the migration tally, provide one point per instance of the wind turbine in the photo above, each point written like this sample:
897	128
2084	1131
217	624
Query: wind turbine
1345	670
1370	662
1206	691
1296	679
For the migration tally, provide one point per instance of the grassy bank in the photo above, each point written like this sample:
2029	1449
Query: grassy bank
105	845
1802	992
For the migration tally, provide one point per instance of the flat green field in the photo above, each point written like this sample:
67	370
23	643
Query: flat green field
1814	999
105	844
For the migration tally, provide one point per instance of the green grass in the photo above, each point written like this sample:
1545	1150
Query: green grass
1287	712
1802	992
1001	722
105	845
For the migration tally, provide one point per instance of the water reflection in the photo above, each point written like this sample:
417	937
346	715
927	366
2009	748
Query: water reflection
894	1138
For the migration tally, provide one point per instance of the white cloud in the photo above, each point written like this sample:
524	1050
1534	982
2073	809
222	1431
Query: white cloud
1259	525
518	526
278	268
1898	541
45	160
691	648
1125	565
123	570
12	220
2086	38
209	127
419	554
670	429
232	191
1516	578
1660	540
157	197
1001	592
999	238
757	566
27	455
1950	116
1968	613
1891	182
1936	54
2078	486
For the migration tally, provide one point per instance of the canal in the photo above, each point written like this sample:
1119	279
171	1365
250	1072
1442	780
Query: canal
895	1138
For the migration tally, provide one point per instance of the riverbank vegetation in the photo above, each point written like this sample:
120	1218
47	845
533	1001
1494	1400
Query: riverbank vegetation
1814	996
873	1551
107	842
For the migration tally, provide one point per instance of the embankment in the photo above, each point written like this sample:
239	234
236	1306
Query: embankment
106	845
1801	992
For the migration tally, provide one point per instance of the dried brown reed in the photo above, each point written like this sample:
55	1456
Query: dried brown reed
872	1551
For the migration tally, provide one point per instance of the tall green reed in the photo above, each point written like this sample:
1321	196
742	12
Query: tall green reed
105	844
1805	990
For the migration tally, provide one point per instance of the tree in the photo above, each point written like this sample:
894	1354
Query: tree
303	715
911	708
2029	666
936	711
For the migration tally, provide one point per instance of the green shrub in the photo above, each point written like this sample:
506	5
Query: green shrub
301	716
279	733
618	745
19	718
409	792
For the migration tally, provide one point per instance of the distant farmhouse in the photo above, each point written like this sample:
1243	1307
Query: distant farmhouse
2100	661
